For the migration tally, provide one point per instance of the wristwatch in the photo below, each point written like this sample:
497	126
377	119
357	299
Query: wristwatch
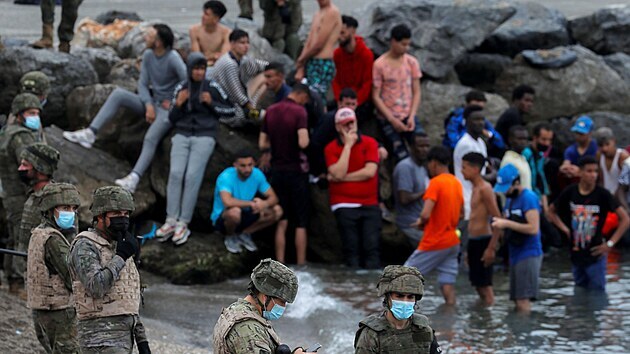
610	244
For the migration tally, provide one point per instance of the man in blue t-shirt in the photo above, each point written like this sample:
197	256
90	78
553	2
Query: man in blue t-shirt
521	227
584	145
238	209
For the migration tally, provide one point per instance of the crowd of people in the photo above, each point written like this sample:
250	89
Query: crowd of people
485	186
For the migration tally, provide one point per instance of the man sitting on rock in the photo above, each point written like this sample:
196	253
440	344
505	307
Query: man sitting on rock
210	37
162	69
237	211
277	88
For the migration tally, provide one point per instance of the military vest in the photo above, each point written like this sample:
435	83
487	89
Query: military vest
416	338
230	316
9	160
31	218
45	291
124	296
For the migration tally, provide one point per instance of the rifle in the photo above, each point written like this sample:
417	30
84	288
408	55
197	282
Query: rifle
13	252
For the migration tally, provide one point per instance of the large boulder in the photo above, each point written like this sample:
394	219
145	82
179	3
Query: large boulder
586	85
605	31
90	169
481	70
64	70
442	31
102	59
125	74
620	62
439	99
533	26
132	44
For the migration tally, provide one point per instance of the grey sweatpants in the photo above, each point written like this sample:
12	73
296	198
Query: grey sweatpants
189	157
123	98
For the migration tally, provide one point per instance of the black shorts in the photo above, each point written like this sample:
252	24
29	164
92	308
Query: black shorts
247	219
478	274
293	192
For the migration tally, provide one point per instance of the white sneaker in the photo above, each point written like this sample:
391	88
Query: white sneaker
165	231
129	182
181	234
247	242
84	137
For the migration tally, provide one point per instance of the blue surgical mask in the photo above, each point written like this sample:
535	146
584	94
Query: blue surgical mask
32	122
402	310
275	313
65	219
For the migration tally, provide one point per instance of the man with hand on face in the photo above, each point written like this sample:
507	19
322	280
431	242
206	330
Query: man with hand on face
398	329
245	326
48	278
105	281
14	138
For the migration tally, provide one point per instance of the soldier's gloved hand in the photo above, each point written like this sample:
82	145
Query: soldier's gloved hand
127	247
143	348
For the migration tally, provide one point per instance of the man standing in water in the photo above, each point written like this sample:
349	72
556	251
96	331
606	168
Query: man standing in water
398	329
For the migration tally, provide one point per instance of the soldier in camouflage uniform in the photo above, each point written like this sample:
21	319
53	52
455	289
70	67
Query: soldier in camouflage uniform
398	329
105	281
48	282
283	19
244	326
14	138
37	165
35	82
69	13
247	9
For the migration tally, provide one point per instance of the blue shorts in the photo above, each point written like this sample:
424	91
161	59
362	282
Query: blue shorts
445	261
592	276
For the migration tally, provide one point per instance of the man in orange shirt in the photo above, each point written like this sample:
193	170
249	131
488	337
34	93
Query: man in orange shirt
443	204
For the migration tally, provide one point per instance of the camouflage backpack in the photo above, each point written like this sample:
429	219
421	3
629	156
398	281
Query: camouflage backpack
44	158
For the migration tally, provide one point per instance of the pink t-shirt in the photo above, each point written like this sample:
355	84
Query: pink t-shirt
396	84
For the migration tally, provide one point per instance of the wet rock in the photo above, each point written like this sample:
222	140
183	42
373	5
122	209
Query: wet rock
586	85
442	31
83	103
92	34
620	62
102	59
439	99
605	31
533	26
132	44
91	169
109	17
550	58
125	74
481	70
324	240
64	70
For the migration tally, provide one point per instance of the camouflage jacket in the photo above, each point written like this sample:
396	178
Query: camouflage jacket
31	218
377	335
56	254
13	139
273	27
241	329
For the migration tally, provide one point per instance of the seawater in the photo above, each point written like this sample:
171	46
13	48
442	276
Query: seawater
332	300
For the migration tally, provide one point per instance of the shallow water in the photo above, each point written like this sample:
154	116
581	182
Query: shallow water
332	301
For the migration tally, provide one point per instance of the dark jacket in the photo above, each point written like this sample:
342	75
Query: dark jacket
195	118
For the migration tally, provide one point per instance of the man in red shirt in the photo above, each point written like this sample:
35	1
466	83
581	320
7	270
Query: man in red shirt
352	162
443	203
353	60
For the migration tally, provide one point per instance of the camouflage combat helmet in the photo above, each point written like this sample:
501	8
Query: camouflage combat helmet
275	279
55	194
35	82
43	157
401	279
23	102
111	198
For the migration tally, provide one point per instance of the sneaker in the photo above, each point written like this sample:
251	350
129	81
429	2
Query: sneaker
247	242
84	137
181	234
129	182
232	244
165	232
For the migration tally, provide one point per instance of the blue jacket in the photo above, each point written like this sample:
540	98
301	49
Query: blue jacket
455	127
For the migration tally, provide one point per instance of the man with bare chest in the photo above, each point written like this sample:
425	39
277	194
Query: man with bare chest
483	239
210	37
316	60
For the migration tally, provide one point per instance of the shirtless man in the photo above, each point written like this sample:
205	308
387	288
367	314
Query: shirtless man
210	37
316	60
482	240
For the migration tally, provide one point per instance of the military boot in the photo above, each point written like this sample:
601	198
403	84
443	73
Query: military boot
47	38
64	47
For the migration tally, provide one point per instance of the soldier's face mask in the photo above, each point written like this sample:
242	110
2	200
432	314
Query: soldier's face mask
24	176
118	225
275	313
402	310
65	220
32	122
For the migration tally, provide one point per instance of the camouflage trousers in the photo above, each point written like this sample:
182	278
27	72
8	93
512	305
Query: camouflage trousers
57	330
247	8
13	206
110	335
69	13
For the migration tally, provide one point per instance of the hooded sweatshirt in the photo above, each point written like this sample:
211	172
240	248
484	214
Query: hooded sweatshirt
195	118
354	70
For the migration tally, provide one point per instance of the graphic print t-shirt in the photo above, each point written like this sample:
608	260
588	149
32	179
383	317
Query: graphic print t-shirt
585	215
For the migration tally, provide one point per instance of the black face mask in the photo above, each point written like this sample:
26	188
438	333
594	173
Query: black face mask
23	174
541	147
513	194
118	226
